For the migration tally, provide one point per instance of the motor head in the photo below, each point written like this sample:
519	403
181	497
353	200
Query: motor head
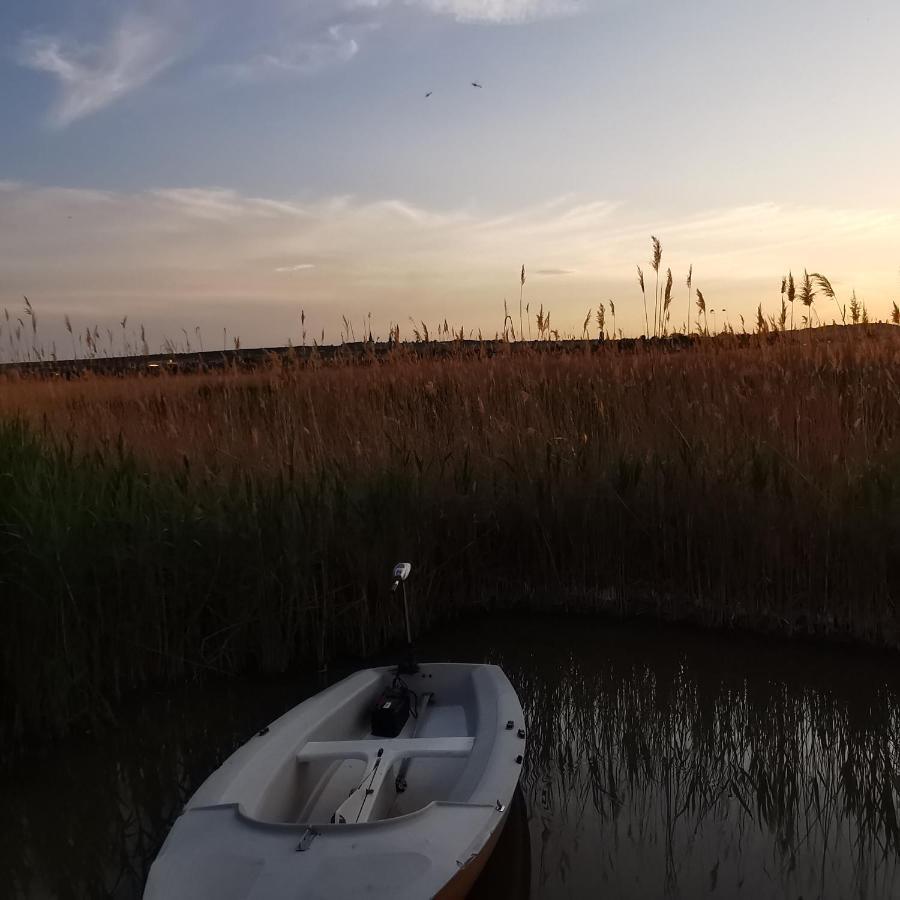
400	574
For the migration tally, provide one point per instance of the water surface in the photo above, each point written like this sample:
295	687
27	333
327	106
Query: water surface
662	762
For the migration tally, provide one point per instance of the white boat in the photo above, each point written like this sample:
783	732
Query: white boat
341	798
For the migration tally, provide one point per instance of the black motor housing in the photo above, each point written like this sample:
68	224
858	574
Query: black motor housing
390	713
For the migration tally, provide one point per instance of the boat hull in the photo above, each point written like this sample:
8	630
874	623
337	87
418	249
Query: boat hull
464	880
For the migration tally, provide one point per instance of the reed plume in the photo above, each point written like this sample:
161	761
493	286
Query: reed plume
655	259
644	295
791	293
701	308
807	296
521	291
667	300
828	291
690	276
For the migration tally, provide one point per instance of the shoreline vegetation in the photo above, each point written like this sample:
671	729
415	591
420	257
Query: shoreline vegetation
156	528
245	359
159	524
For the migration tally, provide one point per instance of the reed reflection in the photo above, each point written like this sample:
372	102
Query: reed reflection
87	821
656	768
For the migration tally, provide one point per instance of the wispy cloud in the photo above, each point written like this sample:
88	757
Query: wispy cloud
323	34
301	267
503	11
296	41
332	45
92	77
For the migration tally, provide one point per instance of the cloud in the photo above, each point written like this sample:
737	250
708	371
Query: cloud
301	267
218	204
554	272
501	11
335	44
294	41
321	36
93	77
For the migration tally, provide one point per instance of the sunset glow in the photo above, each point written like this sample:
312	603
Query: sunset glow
199	166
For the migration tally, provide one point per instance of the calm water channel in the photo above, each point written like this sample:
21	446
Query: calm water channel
662	763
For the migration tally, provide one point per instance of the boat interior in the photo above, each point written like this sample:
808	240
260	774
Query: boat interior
336	770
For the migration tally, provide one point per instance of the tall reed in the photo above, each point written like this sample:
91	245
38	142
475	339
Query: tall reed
155	528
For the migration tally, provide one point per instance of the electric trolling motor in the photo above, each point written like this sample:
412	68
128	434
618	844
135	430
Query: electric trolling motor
393	707
401	573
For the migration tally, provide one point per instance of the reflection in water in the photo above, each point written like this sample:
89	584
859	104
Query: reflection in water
87	821
674	764
661	763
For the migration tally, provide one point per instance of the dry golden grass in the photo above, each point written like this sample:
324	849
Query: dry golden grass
811	404
159	526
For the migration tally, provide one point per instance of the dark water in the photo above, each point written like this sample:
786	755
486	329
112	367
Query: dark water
662	763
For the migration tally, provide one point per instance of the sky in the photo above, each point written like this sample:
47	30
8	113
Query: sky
208	168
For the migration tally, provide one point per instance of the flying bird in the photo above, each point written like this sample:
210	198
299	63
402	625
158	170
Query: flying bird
428	94
476	84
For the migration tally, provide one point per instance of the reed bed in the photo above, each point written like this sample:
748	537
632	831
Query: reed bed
157	528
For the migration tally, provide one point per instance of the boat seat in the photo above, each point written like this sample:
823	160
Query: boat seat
365	801
396	748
